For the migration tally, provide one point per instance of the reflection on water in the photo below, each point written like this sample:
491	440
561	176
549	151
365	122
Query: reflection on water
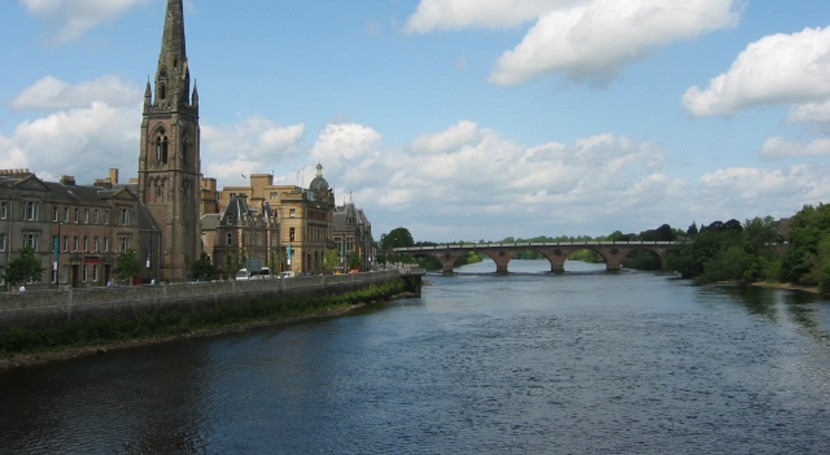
531	362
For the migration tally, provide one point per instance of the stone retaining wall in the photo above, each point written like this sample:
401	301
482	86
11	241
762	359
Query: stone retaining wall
55	308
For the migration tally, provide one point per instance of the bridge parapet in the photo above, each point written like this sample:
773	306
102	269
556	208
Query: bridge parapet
556	252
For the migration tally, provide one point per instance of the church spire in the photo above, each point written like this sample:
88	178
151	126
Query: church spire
173	74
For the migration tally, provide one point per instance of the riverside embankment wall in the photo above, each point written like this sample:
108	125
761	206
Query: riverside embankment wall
56	308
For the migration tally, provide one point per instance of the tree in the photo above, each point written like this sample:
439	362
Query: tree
397	238
24	268
803	263
127	265
331	260
203	269
355	262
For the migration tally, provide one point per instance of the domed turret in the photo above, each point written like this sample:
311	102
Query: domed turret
319	183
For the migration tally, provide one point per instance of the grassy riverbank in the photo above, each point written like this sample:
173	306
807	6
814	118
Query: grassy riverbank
28	346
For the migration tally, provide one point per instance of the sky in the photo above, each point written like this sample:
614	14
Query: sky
456	119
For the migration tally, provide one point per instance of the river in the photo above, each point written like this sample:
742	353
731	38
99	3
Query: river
528	363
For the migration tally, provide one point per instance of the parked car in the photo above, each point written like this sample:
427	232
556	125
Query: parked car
245	274
287	274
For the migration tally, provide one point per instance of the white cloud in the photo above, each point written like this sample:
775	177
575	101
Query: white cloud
254	145
777	69
778	147
740	190
811	113
75	17
83	142
11	155
89	127
596	38
51	94
434	15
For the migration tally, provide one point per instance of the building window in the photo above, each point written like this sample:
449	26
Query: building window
55	214
66	214
292	213
291	234
86	216
31	210
123	243
30	239
161	149
95	244
4	210
84	273
66	243
229	239
106	244
124	217
75	243
2	241
95	273
86	243
97	216
77	216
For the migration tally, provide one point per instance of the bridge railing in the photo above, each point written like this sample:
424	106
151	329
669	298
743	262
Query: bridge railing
474	246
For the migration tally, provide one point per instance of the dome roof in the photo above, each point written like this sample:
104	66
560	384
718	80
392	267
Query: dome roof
319	183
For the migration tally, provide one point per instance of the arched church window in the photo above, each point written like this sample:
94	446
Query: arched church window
185	145
161	150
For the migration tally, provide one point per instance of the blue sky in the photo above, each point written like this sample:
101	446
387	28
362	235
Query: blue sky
458	119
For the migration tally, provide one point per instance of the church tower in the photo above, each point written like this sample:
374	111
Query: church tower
169	167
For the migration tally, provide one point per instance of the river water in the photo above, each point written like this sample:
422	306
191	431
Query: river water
529	363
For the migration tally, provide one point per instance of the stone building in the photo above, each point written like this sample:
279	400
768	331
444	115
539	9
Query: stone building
76	231
169	165
242	236
305	217
353	235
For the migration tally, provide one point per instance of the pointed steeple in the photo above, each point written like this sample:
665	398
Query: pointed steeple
173	74
148	93
194	99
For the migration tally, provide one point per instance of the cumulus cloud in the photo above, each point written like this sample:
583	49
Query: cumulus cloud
778	147
50	94
434	15
593	40
763	191
83	142
777	69
255	145
811	113
86	129
74	18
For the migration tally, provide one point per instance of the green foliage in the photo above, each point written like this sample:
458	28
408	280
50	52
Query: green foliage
806	259
203	269
396	238
24	268
331	260
355	262
127	265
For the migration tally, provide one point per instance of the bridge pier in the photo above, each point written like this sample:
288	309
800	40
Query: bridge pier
501	258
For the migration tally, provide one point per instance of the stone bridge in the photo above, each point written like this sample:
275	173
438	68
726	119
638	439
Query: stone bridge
556	252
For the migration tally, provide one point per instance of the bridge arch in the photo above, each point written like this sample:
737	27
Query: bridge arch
557	253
